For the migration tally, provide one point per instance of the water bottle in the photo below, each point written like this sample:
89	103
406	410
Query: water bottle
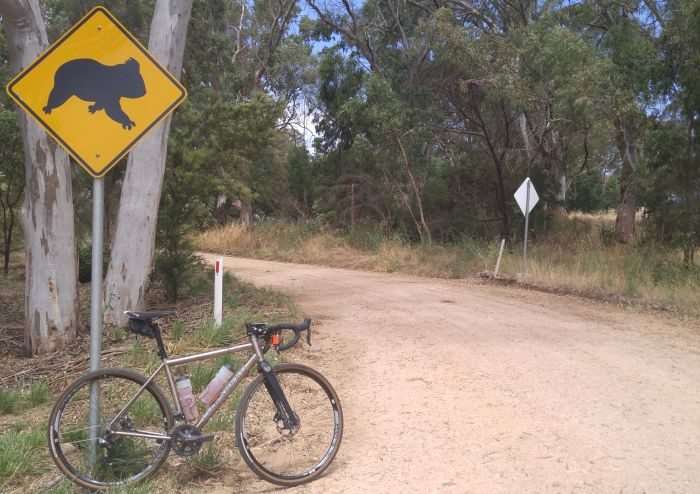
187	402
213	389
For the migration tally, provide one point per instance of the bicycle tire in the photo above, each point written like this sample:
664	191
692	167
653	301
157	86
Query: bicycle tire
256	390
76	391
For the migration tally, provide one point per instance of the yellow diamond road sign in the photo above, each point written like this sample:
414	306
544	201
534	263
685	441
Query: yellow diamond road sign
97	91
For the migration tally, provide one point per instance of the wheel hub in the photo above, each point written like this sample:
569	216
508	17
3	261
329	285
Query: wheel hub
287	431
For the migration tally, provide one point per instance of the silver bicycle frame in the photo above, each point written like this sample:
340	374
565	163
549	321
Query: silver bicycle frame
170	363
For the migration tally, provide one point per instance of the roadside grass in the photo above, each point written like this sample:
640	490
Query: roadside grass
208	460
14	401
18	452
578	254
25	465
367	249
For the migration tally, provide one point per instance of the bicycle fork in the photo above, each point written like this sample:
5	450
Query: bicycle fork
284	409
285	414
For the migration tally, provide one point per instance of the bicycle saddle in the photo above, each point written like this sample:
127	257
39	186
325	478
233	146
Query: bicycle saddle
148	316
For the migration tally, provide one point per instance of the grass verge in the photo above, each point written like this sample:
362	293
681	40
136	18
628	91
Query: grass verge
18	451
13	401
25	465
577	255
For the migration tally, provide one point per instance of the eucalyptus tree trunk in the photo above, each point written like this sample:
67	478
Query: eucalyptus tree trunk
133	246
627	207
51	280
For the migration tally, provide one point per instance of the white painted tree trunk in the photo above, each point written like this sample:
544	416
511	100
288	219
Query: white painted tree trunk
133	246
51	286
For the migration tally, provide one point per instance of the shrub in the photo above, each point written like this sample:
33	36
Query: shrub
85	264
175	267
17	452
17	400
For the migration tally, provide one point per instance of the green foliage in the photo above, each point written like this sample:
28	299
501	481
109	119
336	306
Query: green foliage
217	149
591	192
178	330
175	262
85	263
134	14
13	401
11	180
366	237
38	394
17	452
670	187
210	335
9	401
63	487
209	459
202	374
301	178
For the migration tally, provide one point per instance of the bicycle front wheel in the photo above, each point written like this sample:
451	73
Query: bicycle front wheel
284	457
96	458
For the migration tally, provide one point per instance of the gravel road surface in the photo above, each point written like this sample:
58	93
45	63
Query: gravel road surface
462	387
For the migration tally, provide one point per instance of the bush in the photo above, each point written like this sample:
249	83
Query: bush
176	267
366	237
18	451
85	264
14	401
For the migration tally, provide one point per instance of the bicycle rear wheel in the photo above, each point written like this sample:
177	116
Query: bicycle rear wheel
105	460
284	457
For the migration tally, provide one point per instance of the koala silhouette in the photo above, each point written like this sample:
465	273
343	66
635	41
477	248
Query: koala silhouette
104	85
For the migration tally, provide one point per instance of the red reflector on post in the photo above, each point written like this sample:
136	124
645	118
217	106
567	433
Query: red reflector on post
217	266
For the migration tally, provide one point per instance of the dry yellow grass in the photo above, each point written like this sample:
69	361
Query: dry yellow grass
578	255
297	243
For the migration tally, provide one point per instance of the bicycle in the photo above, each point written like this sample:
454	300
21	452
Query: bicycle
288	426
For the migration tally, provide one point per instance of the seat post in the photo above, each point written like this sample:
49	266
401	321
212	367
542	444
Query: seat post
159	341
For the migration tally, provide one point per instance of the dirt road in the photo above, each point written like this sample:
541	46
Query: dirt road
451	386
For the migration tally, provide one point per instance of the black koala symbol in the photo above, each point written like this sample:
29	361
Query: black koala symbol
104	85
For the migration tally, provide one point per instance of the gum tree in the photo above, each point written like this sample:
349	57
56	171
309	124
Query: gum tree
133	246
51	295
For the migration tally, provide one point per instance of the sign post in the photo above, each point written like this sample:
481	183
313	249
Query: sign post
96	307
96	91
527	198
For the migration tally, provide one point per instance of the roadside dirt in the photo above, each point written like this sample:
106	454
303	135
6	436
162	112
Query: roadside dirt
460	387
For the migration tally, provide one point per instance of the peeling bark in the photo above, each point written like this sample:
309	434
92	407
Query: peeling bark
133	247
51	281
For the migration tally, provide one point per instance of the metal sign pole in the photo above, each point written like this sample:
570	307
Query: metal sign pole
527	218
98	189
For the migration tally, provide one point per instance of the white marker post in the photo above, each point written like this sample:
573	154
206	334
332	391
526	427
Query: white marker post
527	198
500	254
219	291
